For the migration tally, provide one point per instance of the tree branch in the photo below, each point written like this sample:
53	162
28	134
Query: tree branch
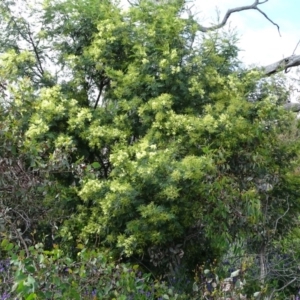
282	216
99	94
295	107
283	64
238	9
101	87
282	288
36	52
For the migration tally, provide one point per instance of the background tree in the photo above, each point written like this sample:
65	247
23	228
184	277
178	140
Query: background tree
142	135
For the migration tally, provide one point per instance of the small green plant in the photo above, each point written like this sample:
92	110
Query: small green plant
53	275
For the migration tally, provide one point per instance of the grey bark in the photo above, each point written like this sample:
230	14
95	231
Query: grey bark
253	6
295	107
283	64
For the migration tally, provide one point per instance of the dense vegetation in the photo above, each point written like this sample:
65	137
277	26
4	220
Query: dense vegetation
140	160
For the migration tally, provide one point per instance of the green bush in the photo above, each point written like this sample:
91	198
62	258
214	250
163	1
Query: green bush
39	274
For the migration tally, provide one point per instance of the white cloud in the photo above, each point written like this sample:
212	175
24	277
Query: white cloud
265	46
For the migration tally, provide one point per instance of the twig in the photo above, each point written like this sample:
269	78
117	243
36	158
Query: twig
23	242
278	290
238	9
296	48
281	218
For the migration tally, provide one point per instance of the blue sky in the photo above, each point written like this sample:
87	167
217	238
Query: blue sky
286	11
259	39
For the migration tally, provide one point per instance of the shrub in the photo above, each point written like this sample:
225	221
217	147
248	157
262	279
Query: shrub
53	275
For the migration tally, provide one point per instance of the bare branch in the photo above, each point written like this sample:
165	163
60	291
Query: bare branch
266	16
283	64
295	107
282	288
296	48
238	9
281	217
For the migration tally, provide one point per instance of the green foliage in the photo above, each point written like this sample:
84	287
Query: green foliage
142	137
52	274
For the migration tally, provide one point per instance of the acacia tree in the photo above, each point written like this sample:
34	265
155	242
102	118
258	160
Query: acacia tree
157	143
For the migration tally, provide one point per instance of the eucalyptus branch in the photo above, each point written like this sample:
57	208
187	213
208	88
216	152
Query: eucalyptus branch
254	6
296	47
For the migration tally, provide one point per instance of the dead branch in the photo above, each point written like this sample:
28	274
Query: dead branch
296	47
283	64
238	9
295	107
